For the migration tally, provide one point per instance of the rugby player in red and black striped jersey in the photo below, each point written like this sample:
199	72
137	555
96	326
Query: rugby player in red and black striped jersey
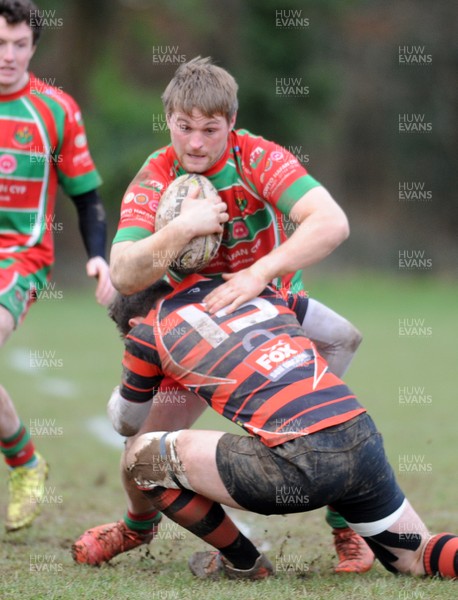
307	431
261	186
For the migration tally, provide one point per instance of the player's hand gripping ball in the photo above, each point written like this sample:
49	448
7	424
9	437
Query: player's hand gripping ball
201	249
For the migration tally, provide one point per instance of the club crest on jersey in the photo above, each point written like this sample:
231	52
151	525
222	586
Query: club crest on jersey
276	358
23	136
241	202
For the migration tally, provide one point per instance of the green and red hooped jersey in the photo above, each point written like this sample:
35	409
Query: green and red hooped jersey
42	144
258	180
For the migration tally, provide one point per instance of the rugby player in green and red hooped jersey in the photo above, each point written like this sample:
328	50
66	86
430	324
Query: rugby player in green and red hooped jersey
258	184
42	145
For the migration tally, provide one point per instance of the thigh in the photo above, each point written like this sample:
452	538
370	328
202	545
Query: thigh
6	325
19	288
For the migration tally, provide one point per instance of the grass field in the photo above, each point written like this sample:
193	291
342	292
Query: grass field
60	368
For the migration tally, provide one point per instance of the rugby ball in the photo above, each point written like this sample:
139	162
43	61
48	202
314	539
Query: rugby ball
201	249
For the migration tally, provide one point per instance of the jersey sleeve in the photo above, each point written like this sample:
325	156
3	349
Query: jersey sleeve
139	204
274	172
76	170
142	373
298	302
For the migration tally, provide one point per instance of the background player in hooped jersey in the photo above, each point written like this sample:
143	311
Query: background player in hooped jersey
42	144
307	431
258	184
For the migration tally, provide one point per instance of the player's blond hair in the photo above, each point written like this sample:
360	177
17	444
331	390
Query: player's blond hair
200	84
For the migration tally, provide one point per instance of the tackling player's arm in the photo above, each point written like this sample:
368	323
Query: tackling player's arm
130	402
322	226
136	265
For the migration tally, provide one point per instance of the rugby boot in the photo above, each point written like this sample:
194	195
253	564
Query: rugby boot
353	553
212	564
26	487
101	544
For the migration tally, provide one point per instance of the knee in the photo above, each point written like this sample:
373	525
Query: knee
144	462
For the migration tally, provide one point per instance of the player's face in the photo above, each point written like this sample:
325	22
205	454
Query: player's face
199	141
16	50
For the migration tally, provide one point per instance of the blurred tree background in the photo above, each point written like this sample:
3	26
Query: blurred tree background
329	80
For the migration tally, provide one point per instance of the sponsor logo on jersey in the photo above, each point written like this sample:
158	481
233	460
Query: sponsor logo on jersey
195	290
153	183
23	136
8	164
80	140
276	358
153	205
141	199
129	197
277	155
256	156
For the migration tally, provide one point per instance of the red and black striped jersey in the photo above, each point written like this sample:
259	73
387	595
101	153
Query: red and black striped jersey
254	366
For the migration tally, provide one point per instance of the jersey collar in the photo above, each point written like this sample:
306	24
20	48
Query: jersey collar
188	282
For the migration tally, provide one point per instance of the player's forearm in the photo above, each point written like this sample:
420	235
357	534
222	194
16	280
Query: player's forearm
314	239
136	265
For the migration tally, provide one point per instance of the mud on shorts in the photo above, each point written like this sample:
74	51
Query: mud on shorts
18	287
344	466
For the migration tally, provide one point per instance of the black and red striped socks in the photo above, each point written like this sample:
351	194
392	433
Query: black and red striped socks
441	555
207	520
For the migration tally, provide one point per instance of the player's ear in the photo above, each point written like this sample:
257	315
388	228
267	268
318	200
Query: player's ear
232	121
135	321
